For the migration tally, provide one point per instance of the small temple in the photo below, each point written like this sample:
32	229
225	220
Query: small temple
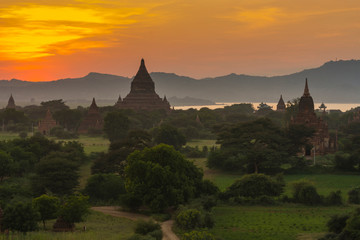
11	103
280	107
47	123
142	95
92	121
321	141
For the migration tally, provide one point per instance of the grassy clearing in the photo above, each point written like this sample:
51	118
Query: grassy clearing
285	222
98	225
92	144
202	143
9	136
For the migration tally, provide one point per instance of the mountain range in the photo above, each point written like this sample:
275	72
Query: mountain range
335	81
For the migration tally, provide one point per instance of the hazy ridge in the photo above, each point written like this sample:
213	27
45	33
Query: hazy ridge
332	82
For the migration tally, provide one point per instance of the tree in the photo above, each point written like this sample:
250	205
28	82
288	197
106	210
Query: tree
256	146
256	185
74	209
169	135
47	207
116	126
161	177
56	174
20	216
115	160
105	187
54	105
5	165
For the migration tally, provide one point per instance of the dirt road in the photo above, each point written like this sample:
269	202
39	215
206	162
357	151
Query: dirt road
168	234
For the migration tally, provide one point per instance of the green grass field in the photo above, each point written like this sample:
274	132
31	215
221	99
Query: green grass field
285	222
92	144
202	143
98	226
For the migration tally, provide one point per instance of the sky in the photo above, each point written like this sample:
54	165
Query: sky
43	40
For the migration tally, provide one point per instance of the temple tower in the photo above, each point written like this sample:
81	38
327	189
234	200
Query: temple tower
280	107
11	103
321	142
92	121
142	94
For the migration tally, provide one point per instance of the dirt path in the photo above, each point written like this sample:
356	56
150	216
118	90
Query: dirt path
168	234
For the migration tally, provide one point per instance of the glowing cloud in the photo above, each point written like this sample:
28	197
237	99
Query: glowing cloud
35	31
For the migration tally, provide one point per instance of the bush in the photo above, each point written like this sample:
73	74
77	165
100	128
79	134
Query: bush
208	188
143	227
208	202
354	196
23	134
255	185
20	217
334	198
304	192
189	219
198	235
337	223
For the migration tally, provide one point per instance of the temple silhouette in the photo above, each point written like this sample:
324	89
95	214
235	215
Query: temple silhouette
92	121
321	142
142	95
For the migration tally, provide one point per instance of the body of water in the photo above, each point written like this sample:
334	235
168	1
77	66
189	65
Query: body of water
330	106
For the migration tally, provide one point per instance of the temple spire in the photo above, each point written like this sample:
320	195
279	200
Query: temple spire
306	90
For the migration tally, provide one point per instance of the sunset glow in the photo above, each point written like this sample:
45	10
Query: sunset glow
46	40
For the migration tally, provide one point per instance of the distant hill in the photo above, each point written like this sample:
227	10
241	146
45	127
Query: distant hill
335	81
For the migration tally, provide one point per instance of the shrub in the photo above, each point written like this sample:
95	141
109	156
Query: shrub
208	203
23	134
189	219
208	188
255	185
334	198
354	196
337	223
304	192
198	235
20	217
143	227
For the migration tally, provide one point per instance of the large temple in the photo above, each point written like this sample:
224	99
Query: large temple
92	121
321	141
142	95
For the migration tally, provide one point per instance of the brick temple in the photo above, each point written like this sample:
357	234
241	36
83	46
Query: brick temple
142	95
47	123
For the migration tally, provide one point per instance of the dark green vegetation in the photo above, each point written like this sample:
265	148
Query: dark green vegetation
136	173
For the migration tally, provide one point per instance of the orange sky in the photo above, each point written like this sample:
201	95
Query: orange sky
45	40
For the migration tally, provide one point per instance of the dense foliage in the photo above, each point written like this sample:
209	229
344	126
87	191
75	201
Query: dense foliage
161	177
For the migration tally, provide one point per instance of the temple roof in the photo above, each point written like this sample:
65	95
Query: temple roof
11	103
306	90
281	101
93	107
142	81
306	103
